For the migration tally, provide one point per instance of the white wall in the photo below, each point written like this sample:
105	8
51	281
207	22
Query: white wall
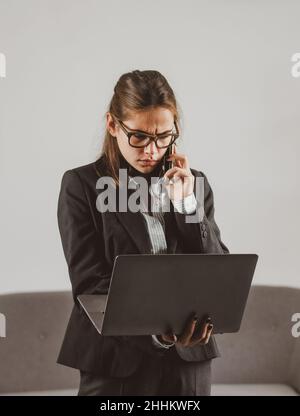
229	64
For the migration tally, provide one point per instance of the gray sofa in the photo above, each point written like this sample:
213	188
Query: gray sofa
262	359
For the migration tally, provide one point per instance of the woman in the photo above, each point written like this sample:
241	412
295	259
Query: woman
161	364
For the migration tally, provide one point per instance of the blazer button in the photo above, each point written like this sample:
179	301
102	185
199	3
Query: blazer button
204	234
203	227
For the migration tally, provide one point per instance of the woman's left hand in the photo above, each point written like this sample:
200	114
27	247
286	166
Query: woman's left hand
179	180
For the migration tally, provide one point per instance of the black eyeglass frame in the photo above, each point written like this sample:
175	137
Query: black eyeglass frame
153	137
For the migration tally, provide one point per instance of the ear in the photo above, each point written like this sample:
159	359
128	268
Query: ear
111	125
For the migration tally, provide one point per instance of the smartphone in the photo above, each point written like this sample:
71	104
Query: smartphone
168	163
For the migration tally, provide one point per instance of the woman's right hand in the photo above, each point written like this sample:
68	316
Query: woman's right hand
188	338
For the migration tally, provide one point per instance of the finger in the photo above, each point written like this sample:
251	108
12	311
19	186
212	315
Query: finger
170	172
208	333
169	337
179	177
205	334
183	172
200	333
173	338
173	181
179	158
188	332
174	151
166	337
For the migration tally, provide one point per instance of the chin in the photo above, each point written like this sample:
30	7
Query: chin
143	168
147	169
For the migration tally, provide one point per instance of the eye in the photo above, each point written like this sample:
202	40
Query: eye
165	136
140	136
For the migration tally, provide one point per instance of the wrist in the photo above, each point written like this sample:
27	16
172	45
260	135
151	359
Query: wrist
186	205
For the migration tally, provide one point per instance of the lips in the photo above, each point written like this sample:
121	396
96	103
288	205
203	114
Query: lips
148	161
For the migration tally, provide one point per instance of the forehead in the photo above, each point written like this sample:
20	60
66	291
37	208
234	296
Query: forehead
154	121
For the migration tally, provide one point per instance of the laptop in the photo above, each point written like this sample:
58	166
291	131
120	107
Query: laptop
159	293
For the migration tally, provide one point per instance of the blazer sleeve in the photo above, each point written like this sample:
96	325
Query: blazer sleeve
83	246
84	250
204	235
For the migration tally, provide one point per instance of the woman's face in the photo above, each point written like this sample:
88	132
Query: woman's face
154	121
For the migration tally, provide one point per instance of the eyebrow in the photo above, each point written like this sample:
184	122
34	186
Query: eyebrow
145	132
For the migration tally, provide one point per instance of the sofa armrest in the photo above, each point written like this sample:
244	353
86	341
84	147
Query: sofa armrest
294	373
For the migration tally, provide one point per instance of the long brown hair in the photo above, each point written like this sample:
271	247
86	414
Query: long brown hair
134	92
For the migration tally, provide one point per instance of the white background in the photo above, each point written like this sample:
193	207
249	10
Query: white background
229	64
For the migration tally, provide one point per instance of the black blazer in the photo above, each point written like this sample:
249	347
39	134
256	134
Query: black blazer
90	241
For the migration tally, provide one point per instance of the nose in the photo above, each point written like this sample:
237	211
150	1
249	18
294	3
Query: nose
151	148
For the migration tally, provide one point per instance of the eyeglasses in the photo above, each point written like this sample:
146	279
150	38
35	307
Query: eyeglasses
137	138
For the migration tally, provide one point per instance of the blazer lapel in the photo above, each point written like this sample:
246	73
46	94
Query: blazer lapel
171	231
136	227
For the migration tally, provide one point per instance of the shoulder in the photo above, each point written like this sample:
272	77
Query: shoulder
90	168
196	172
87	174
199	174
204	181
